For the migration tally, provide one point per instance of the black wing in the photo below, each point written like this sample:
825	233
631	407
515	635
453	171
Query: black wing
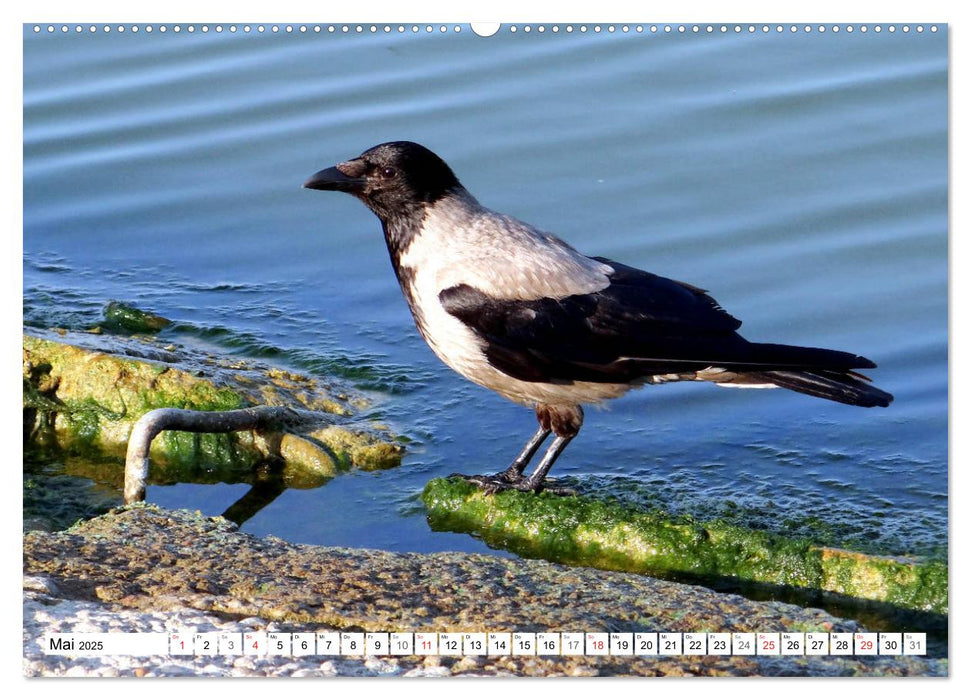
639	325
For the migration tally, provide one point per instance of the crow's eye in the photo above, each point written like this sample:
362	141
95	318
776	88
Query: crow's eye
388	173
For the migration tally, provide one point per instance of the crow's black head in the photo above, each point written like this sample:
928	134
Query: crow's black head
392	179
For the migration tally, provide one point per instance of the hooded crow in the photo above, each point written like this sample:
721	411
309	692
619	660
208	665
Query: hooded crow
519	311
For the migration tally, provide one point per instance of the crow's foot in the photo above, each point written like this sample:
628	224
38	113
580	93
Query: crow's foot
494	483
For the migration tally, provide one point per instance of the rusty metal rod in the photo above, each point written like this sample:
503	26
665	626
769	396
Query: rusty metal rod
154	422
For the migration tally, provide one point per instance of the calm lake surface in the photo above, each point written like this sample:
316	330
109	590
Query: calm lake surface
800	177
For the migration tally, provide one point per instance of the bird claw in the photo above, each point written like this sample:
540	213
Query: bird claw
492	484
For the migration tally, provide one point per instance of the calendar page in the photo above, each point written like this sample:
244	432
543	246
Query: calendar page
448	349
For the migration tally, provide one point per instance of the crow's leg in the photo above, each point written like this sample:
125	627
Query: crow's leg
514	472
537	480
565	423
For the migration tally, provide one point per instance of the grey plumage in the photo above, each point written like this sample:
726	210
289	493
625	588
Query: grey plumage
521	312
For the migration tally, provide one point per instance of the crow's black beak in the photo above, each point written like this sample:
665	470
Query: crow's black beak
343	177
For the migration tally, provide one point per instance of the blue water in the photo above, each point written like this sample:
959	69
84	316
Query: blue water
801	178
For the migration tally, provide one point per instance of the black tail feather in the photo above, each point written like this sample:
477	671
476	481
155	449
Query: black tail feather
836	385
807	358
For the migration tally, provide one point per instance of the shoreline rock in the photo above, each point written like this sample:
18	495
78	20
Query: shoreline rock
173	565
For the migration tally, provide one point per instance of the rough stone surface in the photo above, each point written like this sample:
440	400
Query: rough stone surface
144	568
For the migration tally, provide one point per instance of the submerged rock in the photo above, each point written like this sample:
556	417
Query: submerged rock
144	558
589	532
123	317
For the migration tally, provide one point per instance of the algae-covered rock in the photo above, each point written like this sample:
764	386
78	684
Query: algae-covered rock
360	450
82	393
909	583
85	399
584	531
123	317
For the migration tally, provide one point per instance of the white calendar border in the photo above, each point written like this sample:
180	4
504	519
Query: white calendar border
837	11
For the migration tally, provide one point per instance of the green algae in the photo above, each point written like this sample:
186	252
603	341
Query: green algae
848	524
92	399
82	419
588	532
909	583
